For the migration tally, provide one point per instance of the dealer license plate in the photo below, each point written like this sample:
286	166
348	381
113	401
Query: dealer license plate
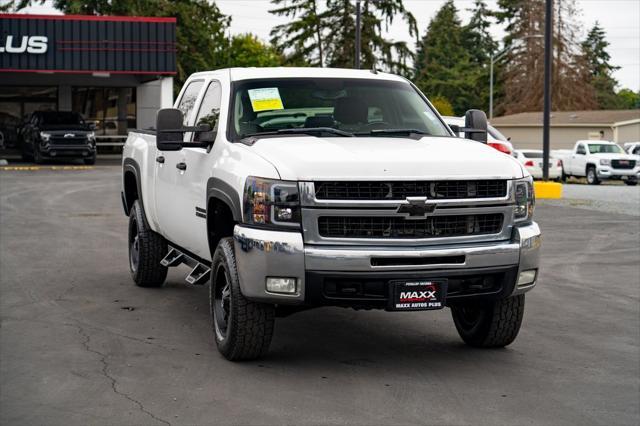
417	295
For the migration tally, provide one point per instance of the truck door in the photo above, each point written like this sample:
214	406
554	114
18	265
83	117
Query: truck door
579	160
168	169
192	197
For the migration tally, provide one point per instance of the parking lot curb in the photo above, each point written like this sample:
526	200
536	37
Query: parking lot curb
548	190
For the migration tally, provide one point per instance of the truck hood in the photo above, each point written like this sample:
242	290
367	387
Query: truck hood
309	158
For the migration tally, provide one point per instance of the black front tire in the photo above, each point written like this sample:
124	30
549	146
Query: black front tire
492	324
592	176
243	329
37	156
146	250
631	182
90	161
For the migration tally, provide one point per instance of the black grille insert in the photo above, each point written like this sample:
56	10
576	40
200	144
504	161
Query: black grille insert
398	227
623	164
442	190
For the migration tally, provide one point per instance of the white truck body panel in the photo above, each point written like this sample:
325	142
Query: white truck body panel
171	196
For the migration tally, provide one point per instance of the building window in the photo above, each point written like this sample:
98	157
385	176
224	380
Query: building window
111	109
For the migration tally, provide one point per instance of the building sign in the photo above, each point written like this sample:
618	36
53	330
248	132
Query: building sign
87	44
29	44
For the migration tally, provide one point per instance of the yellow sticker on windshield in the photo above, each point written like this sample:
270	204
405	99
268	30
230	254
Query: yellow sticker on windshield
266	99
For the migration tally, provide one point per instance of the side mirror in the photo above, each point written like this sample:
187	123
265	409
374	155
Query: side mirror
455	129
475	125
169	119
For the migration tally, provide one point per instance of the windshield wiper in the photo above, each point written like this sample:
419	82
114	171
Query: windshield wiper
383	132
302	131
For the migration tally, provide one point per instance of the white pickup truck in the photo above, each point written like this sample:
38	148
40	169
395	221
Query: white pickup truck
599	160
287	189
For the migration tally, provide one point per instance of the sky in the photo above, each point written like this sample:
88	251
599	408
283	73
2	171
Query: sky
619	18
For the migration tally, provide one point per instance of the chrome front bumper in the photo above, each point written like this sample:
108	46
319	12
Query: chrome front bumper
605	172
261	254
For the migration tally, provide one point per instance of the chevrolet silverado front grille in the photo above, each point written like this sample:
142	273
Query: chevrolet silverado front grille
400	190
398	227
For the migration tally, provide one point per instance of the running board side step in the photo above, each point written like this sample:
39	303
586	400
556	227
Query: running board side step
200	272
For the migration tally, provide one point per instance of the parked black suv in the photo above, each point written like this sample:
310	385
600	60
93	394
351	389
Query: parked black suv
58	134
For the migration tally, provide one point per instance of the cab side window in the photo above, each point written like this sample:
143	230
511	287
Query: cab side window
188	100
581	150
209	112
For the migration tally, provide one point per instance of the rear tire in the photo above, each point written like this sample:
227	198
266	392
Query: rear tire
146	250
243	329
563	176
592	176
492	324
631	182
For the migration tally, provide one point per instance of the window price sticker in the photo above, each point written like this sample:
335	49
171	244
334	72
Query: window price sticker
265	99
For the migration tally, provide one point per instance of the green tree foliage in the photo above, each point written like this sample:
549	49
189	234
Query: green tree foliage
377	50
594	49
246	50
628	99
478	42
443	64
302	38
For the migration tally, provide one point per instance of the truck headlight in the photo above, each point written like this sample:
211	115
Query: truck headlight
271	203
45	136
525	200
91	138
605	162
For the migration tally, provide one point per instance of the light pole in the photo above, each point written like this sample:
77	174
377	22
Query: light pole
358	33
547	89
493	59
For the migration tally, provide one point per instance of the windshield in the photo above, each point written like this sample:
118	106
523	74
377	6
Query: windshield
495	133
61	118
601	148
348	106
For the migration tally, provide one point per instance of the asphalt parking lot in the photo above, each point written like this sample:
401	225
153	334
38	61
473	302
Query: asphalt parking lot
80	344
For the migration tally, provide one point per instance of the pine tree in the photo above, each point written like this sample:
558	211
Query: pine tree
443	65
377	50
476	36
480	44
594	49
524	64
301	39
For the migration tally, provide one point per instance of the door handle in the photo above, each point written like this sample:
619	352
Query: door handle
160	159
181	166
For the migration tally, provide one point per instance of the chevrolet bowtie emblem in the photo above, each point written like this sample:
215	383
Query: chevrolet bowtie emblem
69	135
416	208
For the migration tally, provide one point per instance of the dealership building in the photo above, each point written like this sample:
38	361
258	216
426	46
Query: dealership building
115	71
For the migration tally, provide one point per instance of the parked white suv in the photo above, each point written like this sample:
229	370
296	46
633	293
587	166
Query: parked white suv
600	160
293	188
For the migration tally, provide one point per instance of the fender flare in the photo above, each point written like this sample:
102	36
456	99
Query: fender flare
221	190
130	165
